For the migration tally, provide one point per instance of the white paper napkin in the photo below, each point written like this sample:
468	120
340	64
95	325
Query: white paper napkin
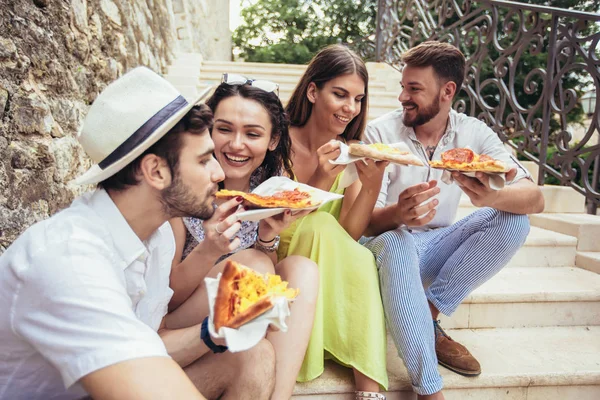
497	180
247	335
350	174
277	184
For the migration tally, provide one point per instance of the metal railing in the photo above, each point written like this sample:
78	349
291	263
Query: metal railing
527	66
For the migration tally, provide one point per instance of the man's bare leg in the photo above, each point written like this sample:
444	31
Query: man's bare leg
290	346
245	375
195	308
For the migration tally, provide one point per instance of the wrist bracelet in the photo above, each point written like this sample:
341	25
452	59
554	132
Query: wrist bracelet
205	336
263	241
269	249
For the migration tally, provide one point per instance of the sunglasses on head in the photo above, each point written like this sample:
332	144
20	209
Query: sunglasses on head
235	79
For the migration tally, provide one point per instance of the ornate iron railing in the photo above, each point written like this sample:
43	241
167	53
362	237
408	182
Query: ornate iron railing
527	66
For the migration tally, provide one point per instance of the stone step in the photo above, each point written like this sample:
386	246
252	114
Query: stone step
184	70
588	260
531	297
557	363
187	59
378	106
544	248
558	199
585	227
251	68
287	85
563	199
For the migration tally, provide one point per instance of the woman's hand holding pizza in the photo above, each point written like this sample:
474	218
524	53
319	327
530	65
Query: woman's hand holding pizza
270	227
478	188
410	209
329	151
221	228
370	173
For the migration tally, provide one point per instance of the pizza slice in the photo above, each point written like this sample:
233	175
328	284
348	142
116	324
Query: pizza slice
284	199
384	152
244	294
466	160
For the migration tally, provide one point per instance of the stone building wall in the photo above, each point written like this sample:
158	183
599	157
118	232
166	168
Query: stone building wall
203	27
55	57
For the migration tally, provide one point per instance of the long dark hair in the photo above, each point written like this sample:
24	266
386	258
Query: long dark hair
279	159
328	64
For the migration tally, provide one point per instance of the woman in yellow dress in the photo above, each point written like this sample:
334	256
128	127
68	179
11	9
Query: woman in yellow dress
329	106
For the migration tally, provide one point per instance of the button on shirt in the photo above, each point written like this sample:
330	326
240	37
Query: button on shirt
79	292
462	131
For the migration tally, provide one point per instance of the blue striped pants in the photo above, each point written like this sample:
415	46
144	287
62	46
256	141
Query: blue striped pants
443	266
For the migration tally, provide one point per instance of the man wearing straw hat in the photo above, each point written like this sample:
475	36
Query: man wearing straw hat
83	294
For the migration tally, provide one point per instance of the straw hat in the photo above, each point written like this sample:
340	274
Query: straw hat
128	117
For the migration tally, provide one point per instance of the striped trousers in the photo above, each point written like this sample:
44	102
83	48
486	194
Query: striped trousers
443	266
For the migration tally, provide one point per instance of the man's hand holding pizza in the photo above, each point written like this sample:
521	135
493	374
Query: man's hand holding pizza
415	207
478	188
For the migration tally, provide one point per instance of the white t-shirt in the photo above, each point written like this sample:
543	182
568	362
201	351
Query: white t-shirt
79	292
462	131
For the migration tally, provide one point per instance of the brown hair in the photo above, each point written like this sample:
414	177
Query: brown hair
195	122
280	157
447	61
328	64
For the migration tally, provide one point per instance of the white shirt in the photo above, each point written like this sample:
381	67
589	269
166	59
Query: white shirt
79	292
462	131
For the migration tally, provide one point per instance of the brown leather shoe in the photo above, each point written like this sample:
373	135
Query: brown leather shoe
454	355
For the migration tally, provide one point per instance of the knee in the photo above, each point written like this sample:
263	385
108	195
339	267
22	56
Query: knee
301	273
391	244
256	370
255	259
515	227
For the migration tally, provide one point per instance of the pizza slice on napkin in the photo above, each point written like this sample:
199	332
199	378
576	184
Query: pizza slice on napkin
384	152
284	199
466	160
244	294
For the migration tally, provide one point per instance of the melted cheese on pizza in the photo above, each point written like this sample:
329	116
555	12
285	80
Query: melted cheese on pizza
250	287
386	148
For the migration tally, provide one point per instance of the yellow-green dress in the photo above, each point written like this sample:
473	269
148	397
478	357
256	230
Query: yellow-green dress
349	325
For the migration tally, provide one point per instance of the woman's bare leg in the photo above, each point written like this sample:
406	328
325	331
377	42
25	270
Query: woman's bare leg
364	383
290	347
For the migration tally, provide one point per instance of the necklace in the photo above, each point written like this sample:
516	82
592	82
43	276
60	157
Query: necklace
430	150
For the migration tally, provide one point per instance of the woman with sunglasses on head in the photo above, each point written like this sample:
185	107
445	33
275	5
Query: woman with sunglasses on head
329	106
252	144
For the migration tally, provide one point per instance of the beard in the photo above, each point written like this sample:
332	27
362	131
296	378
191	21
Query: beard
423	115
179	200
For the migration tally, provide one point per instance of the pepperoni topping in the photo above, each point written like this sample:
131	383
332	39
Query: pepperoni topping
484	157
458	156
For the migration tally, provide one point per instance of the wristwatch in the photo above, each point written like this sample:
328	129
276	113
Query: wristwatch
267	248
205	336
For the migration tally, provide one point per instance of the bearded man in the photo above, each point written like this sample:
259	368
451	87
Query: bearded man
84	293
427	262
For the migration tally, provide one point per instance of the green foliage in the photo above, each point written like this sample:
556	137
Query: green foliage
292	31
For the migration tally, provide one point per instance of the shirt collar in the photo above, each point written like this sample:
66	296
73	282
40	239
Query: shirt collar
127	243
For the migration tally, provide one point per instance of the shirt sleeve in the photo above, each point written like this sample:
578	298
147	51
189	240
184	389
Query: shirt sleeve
492	146
372	135
72	306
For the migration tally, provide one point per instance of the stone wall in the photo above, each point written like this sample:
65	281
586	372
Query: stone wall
203	27
55	57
